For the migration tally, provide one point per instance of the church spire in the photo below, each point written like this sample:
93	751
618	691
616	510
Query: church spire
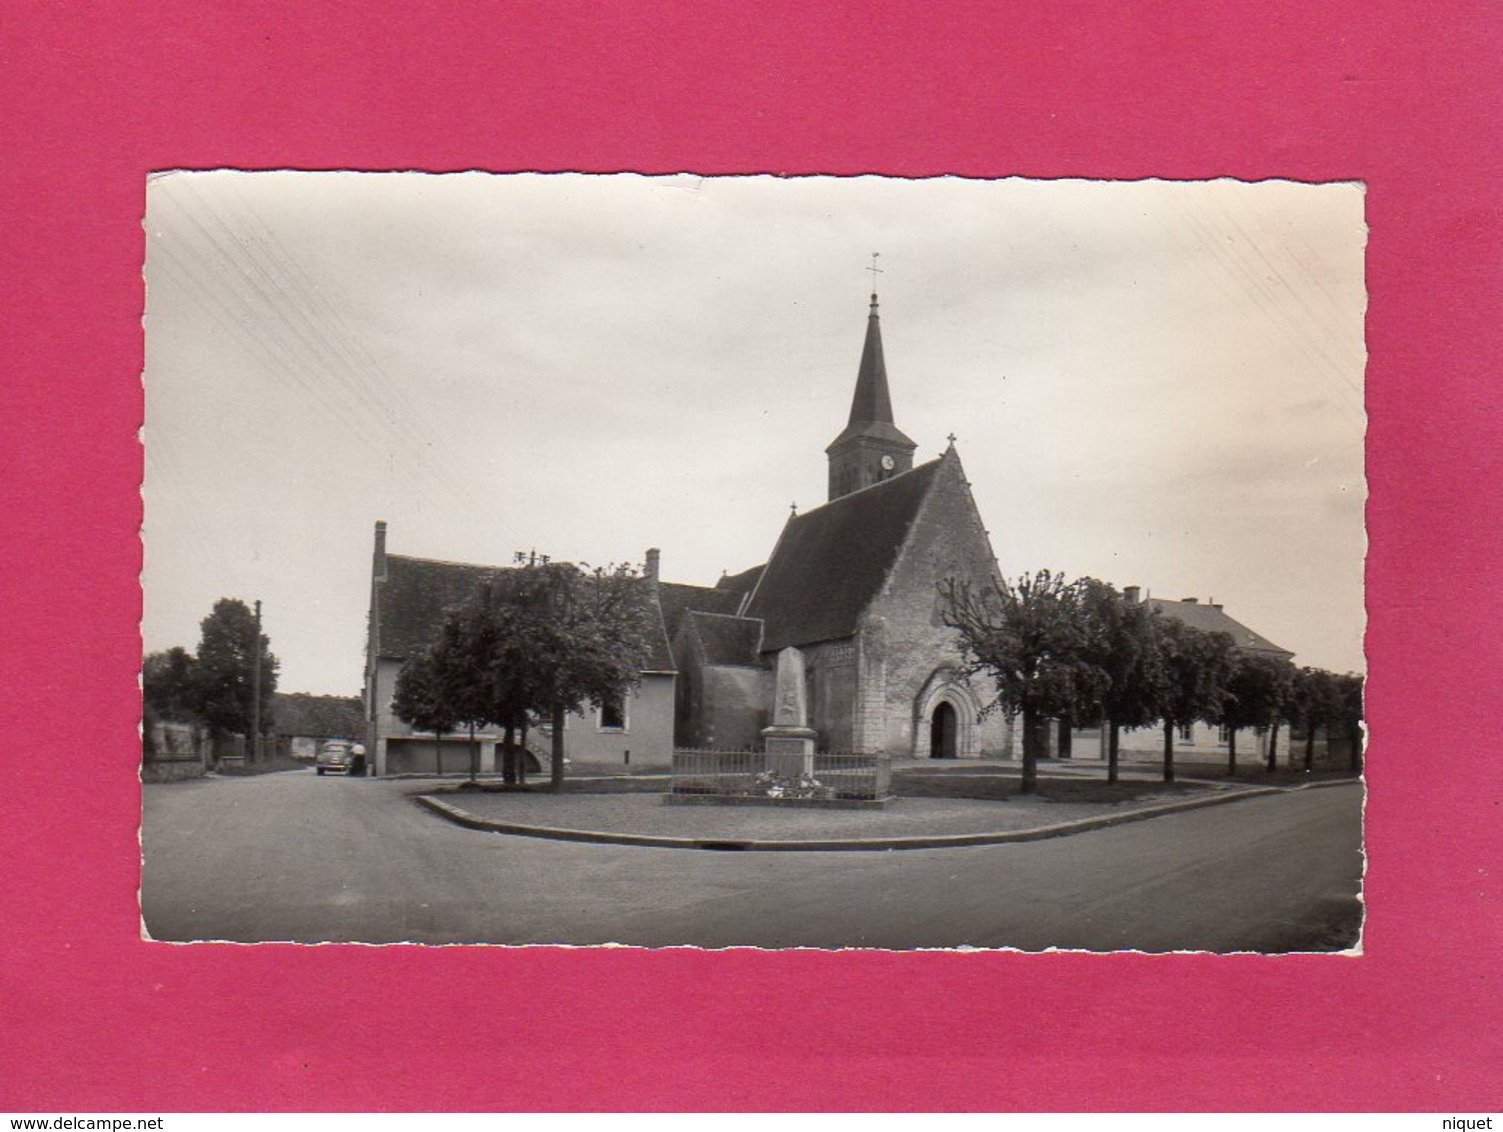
871	448
872	403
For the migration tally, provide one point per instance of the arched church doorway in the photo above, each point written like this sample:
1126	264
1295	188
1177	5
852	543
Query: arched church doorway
942	731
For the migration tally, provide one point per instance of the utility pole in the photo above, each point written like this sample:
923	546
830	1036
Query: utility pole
256	690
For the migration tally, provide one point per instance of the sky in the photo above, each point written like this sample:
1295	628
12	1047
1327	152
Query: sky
1154	383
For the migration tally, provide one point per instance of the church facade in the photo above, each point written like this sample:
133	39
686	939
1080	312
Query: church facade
853	584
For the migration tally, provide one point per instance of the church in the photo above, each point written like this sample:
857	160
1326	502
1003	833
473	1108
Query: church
852	584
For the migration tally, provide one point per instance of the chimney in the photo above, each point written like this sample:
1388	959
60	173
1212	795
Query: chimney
650	571
1132	594
1190	600
378	562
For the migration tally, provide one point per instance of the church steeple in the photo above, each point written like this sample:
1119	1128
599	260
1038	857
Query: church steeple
872	403
871	448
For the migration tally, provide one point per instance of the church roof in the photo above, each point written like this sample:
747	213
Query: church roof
743	583
871	407
417	592
676	599
727	640
830	563
1213	619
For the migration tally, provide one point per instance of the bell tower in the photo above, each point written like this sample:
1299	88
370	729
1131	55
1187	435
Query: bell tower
871	448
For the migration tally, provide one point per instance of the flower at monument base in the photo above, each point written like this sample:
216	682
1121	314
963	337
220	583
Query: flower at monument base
773	785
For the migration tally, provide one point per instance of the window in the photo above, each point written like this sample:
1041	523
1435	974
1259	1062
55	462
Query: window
1224	736
1186	733
612	715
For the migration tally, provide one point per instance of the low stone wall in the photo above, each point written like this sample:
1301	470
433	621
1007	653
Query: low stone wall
173	752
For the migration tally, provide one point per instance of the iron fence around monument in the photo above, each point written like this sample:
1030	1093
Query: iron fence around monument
750	774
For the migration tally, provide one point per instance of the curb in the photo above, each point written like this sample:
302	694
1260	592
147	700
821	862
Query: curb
935	841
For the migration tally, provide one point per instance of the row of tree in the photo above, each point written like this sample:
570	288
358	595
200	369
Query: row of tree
1082	652
531	644
218	686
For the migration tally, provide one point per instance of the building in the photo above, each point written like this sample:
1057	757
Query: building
409	597
853	584
302	722
1195	738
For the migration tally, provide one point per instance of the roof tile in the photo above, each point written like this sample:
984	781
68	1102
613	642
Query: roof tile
831	562
1213	619
727	640
418	592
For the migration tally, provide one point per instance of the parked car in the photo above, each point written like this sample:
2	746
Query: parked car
336	756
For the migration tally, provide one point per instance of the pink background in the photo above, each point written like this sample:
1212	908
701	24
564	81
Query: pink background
94	96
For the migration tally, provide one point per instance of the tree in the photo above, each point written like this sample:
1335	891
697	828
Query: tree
460	657
224	673
603	621
169	685
1257	690
1315	700
1349	716
1029	637
419	700
1122	645
1193	673
538	639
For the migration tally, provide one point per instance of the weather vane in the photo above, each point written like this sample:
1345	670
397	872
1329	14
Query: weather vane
875	270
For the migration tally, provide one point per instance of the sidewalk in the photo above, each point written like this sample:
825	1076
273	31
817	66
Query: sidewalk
908	823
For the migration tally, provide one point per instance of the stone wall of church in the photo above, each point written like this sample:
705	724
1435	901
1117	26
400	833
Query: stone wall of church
904	639
733	703
830	669
720	707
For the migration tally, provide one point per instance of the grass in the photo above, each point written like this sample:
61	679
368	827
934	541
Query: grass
1254	774
968	780
966	783
1005	784
539	784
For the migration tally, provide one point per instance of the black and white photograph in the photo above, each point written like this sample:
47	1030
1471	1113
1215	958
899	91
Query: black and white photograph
774	562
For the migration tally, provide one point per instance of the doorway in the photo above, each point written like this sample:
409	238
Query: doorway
942	730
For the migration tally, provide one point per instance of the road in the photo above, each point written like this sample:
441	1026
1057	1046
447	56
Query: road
297	857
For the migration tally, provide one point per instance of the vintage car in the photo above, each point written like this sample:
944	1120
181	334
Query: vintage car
336	756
